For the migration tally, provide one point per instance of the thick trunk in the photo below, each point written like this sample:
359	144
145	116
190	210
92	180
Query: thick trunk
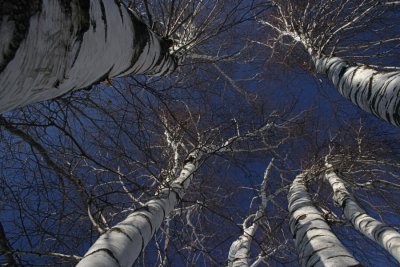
316	244
122	244
377	92
377	231
50	47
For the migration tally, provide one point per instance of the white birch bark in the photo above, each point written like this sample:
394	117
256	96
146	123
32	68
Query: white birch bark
239	251
374	91
384	235
122	244
316	244
50	47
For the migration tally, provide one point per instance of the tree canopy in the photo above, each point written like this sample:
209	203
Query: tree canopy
199	133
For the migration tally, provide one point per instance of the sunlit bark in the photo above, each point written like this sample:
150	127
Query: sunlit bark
374	91
318	27
122	244
384	235
50	47
316	244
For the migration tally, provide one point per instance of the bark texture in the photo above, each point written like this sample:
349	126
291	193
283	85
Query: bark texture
374	91
121	245
50	47
316	244
384	235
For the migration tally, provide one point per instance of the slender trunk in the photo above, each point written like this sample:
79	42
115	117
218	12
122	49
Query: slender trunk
316	244
239	251
374	91
384	235
122	244
50	47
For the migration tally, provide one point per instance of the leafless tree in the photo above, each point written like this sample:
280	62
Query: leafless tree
335	35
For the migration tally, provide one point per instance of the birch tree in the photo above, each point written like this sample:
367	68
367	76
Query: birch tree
119	245
384	235
316	244
326	29
51	47
239	252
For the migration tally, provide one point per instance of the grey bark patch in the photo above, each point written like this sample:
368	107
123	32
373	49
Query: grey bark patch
118	3
141	38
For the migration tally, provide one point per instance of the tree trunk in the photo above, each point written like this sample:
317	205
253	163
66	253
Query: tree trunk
384	235
374	91
122	244
50	47
316	244
239	252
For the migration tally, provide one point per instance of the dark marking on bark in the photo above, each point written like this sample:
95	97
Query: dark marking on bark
20	13
83	25
109	252
56	84
119	230
311	228
301	217
311	255
104	18
329	68
139	231
371	80
354	74
118	3
377	232
396	114
355	218
369	222
145	208
342	72
94	25
148	221
66	6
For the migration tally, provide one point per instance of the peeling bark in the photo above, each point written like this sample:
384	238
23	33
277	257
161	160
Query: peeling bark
384	235
50	47
316	244
121	245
